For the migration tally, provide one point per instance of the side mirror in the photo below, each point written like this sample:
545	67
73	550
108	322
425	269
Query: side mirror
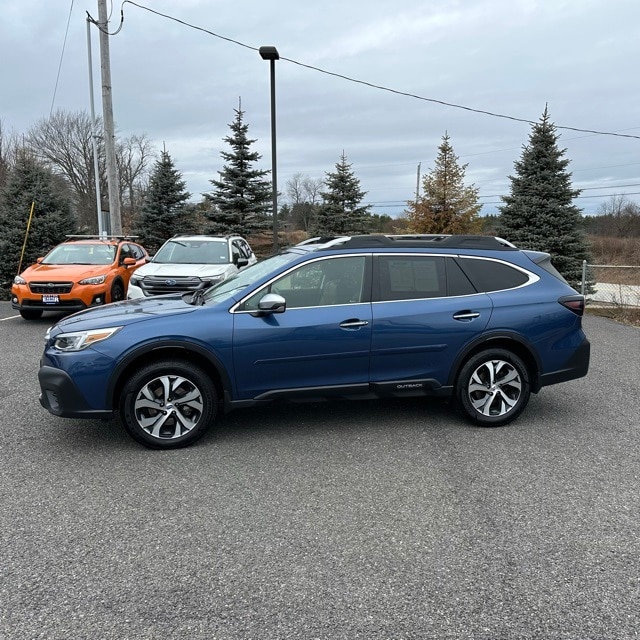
242	262
128	262
40	259
271	303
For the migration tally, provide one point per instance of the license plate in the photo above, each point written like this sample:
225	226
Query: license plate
49	298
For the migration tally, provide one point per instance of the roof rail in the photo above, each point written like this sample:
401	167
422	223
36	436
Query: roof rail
205	235
422	241
324	241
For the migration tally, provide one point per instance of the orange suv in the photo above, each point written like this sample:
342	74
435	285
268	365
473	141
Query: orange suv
84	271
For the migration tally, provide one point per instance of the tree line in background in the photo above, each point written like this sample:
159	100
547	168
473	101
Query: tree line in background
52	169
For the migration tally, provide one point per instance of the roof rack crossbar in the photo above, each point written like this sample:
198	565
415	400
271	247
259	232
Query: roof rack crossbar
99	237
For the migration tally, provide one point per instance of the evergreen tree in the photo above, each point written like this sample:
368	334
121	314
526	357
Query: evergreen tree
242	197
165	211
539	214
29	182
446	204
341	212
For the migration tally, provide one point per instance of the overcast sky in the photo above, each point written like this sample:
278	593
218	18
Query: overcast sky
180	85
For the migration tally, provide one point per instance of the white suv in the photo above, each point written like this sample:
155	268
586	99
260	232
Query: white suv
190	263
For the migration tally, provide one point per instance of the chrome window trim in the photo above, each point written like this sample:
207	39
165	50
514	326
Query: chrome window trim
234	308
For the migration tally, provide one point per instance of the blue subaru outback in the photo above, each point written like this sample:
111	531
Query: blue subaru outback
468	317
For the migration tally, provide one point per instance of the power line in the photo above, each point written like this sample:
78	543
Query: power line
602	195
370	84
608	186
64	44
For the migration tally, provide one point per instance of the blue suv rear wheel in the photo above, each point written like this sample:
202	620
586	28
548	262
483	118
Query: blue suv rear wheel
493	387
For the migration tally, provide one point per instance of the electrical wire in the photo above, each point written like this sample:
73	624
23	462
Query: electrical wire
369	84
64	44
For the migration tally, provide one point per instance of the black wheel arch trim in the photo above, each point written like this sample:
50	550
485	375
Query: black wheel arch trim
485	341
149	348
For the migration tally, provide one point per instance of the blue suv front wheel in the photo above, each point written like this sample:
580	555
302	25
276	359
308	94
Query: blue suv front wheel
167	405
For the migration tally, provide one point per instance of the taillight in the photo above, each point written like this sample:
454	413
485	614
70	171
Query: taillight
573	303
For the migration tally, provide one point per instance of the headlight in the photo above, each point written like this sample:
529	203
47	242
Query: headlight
135	281
209	282
80	340
19	280
93	280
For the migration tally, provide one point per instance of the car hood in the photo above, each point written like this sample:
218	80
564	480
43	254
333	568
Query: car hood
125	312
170	270
60	272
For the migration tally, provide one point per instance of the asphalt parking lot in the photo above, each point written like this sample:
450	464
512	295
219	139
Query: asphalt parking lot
369	520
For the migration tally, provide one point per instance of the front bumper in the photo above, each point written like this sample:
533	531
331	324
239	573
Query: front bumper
65	305
60	396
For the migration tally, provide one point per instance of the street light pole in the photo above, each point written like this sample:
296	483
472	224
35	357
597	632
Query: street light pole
271	54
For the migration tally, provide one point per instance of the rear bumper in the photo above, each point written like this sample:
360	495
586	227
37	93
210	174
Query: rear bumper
60	396
576	367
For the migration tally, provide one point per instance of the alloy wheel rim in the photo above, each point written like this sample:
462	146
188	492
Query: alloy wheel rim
495	388
168	407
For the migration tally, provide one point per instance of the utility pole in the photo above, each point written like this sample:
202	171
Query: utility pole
107	116
418	183
96	165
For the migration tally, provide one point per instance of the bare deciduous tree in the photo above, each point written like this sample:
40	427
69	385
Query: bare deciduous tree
64	142
619	217
304	197
9	145
133	155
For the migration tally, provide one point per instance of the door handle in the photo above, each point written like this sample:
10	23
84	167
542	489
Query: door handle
353	324
466	315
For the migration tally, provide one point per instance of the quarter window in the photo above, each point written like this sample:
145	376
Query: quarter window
489	275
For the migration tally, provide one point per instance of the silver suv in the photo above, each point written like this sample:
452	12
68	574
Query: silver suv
191	263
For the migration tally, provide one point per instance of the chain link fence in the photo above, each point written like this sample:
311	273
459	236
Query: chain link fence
614	285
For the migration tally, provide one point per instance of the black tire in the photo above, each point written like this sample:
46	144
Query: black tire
117	292
186	402
30	315
493	387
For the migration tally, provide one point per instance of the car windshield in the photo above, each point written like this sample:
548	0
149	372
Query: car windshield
243	279
79	253
193	252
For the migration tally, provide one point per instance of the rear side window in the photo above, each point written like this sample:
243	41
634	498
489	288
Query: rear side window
411	277
489	275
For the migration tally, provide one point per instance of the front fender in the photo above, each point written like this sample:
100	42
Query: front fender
146	352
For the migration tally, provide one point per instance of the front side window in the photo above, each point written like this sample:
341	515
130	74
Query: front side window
228	289
136	252
240	249
327	282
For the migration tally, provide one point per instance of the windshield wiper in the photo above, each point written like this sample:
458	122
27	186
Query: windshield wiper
197	299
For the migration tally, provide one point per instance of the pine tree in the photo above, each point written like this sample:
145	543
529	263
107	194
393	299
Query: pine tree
341	212
539	214
29	182
242	197
446	204
165	211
